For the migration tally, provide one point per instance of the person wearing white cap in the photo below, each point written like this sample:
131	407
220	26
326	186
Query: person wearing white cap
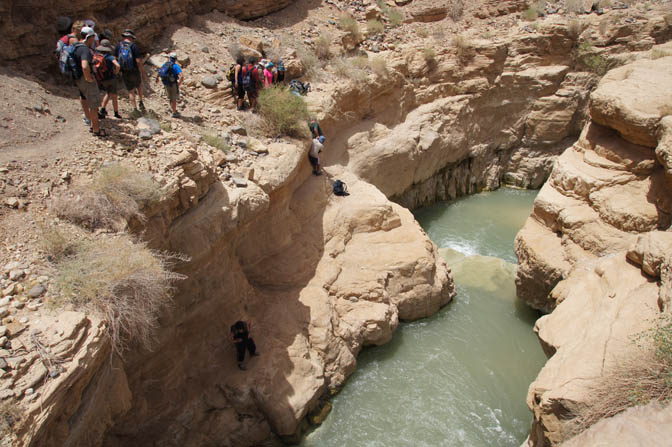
170	74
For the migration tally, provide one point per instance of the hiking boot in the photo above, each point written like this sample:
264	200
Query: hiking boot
241	367
142	106
102	111
176	114
86	122
117	116
102	116
256	354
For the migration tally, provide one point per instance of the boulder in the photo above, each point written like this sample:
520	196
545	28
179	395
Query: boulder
651	251
149	124
252	42
209	82
373	12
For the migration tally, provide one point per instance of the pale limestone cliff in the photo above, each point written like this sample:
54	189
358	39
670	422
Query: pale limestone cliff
595	250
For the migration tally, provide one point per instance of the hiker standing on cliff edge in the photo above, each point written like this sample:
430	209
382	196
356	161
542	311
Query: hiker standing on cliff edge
240	336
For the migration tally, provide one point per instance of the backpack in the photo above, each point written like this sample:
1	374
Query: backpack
298	87
100	68
67	63
125	57
340	188
231	74
167	74
249	84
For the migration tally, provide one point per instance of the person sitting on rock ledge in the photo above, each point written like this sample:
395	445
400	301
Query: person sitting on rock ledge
240	336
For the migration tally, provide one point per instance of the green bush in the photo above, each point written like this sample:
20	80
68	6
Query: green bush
284	111
120	280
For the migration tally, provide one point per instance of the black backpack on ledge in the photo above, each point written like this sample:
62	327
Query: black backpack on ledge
340	188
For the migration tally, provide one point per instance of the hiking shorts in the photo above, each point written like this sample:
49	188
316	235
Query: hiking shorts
132	79
314	161
240	91
172	91
281	76
90	92
110	86
252	94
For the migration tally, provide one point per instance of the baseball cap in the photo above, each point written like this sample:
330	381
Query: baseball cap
172	55
321	139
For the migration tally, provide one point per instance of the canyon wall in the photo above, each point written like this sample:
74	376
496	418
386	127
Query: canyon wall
596	249
30	28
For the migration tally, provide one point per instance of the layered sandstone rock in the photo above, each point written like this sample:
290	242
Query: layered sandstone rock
606	189
596	249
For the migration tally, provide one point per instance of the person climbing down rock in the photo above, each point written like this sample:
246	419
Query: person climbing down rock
314	126
240	335
314	154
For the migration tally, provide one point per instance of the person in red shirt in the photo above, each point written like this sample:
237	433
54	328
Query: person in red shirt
251	85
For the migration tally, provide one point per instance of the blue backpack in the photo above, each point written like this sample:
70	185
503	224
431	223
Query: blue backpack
167	74
126	60
67	62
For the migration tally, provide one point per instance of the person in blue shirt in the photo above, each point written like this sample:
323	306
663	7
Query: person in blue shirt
172	78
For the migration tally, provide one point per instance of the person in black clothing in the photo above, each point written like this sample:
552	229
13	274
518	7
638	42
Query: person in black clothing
240	336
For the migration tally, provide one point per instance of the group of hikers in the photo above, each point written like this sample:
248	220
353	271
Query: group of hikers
97	69
248	78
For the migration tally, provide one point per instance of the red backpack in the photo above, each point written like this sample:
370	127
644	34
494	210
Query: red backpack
100	68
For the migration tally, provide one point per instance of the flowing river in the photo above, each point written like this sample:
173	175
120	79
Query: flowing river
460	377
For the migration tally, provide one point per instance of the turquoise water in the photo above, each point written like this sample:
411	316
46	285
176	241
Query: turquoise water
460	377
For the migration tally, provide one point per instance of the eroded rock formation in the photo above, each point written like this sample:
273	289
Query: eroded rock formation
596	249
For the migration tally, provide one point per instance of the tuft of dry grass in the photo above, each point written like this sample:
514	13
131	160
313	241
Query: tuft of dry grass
422	32
10	414
348	24
284	111
574	29
350	68
456	10
123	281
429	54
116	195
657	53
644	377
215	141
378	65
394	17
462	47
322	46
530	14
573	6
54	243
309	60
374	27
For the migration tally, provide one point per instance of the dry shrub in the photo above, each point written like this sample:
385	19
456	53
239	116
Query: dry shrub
462	46
530	14
54	243
115	196
284	111
429	54
574	28
348	24
574	6
215	141
668	20
234	50
456	10
378	65
322	45
644	377
592	60
374	27
123	281
394	16
422	32
309	60
10	414
657	53
350	68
